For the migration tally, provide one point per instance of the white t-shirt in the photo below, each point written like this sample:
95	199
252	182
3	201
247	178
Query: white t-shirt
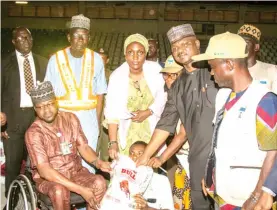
159	189
127	180
266	74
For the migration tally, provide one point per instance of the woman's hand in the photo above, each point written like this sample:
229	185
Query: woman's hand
141	203
113	151
140	116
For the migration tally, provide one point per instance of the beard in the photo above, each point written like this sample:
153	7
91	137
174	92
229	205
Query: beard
224	84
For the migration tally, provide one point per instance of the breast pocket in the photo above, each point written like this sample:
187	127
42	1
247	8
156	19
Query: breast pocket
210	95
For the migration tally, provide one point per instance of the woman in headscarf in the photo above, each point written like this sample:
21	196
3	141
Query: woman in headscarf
135	98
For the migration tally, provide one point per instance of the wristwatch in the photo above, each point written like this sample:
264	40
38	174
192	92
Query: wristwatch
111	143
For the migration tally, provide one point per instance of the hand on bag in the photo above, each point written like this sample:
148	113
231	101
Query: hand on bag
104	166
140	116
113	151
265	202
142	160
141	203
155	162
90	198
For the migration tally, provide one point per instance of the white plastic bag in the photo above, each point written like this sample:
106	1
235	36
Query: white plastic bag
127	180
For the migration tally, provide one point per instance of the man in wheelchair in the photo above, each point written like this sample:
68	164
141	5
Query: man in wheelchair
53	142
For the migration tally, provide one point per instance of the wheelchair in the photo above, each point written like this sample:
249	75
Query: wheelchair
23	195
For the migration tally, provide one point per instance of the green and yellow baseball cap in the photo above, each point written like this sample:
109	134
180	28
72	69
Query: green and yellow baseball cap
225	45
171	66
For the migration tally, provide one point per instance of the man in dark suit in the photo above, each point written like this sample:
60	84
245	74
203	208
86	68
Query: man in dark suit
192	100
19	72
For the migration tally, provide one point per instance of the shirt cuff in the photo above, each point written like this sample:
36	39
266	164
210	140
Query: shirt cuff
269	191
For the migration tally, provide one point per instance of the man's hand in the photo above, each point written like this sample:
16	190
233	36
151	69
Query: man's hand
113	151
140	116
204	187
142	160
104	166
89	196
5	135
141	203
3	118
250	203
181	151
265	202
155	162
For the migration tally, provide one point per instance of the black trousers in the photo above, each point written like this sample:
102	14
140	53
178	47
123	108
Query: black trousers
199	201
15	148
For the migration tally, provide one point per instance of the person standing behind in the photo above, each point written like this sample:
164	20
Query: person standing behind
265	73
105	57
102	146
153	53
179	144
78	77
19	72
192	100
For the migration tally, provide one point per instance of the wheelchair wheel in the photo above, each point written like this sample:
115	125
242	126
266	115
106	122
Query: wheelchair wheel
21	195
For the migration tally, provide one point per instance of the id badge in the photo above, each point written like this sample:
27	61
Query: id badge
65	148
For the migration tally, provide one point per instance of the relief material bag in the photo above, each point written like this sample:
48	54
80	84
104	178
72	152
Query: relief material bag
127	180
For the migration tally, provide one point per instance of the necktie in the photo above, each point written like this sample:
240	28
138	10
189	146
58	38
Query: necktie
211	159
29	82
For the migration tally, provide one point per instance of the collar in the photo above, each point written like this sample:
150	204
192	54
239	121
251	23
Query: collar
18	54
191	73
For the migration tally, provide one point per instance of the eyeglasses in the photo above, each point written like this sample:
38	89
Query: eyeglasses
24	38
136	85
78	36
49	105
169	75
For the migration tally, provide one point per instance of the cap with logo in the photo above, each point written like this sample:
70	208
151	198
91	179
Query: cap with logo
225	45
171	66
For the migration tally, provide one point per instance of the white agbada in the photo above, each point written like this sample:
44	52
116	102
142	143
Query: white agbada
116	100
266	74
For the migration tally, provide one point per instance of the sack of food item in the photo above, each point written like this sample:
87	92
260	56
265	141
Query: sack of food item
127	180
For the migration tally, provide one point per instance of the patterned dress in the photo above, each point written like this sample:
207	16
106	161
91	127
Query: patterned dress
139	98
181	189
